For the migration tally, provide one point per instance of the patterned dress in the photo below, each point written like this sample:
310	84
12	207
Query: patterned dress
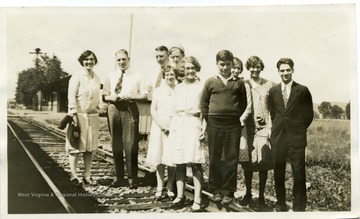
186	127
259	132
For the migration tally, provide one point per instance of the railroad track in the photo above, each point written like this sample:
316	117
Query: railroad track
46	146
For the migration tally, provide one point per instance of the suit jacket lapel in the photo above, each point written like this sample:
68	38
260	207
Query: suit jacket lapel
293	95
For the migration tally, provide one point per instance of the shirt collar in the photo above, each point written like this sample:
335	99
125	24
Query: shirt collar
127	71
288	86
225	79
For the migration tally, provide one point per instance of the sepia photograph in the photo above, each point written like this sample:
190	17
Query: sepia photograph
180	111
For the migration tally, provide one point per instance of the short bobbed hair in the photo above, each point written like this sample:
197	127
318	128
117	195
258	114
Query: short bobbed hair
86	54
236	60
253	61
192	60
170	68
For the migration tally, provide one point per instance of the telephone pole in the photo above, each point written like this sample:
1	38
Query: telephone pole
37	52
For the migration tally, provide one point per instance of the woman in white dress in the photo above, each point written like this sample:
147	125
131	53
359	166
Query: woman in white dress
83	104
186	131
162	113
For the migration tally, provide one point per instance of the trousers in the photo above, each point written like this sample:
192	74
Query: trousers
124	133
224	141
296	156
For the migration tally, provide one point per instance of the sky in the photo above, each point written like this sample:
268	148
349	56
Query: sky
319	38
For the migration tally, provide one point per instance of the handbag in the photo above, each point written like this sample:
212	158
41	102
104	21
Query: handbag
74	135
66	120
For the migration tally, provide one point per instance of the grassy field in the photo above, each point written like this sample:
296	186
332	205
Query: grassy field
328	165
329	143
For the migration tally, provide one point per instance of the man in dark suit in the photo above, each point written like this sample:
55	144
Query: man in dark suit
291	110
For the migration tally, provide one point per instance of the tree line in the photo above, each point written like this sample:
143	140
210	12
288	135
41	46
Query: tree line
46	70
328	111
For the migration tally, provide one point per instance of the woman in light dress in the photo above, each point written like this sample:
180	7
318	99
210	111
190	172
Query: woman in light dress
83	104
258	127
162	112
186	131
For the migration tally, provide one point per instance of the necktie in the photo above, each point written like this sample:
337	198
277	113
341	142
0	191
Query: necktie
285	96
119	83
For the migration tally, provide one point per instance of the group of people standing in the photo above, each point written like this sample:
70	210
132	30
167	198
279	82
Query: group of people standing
253	122
178	127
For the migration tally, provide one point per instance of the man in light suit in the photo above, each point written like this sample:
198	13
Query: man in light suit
291	110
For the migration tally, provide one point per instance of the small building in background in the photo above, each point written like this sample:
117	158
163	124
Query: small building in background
11	104
53	96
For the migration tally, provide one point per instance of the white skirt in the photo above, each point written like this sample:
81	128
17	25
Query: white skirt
158	142
184	144
89	133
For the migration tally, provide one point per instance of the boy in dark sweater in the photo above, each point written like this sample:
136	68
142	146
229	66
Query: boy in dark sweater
222	103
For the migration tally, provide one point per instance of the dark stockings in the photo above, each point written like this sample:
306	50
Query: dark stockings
262	181
262	178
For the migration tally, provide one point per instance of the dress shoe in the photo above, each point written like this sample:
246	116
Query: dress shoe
196	207
261	203
226	199
170	194
158	194
76	181
217	197
179	201
131	184
246	200
118	183
89	181
281	207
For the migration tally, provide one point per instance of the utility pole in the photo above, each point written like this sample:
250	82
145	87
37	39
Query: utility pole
131	32
37	52
37	99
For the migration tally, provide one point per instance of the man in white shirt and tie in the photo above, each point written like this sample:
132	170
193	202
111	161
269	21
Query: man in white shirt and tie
121	89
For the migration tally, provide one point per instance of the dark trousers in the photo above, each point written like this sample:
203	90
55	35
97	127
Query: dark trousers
296	157
124	139
224	140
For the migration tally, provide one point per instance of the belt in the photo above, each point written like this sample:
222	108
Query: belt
120	105
188	114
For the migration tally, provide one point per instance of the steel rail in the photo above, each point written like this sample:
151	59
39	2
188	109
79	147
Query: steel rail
51	184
